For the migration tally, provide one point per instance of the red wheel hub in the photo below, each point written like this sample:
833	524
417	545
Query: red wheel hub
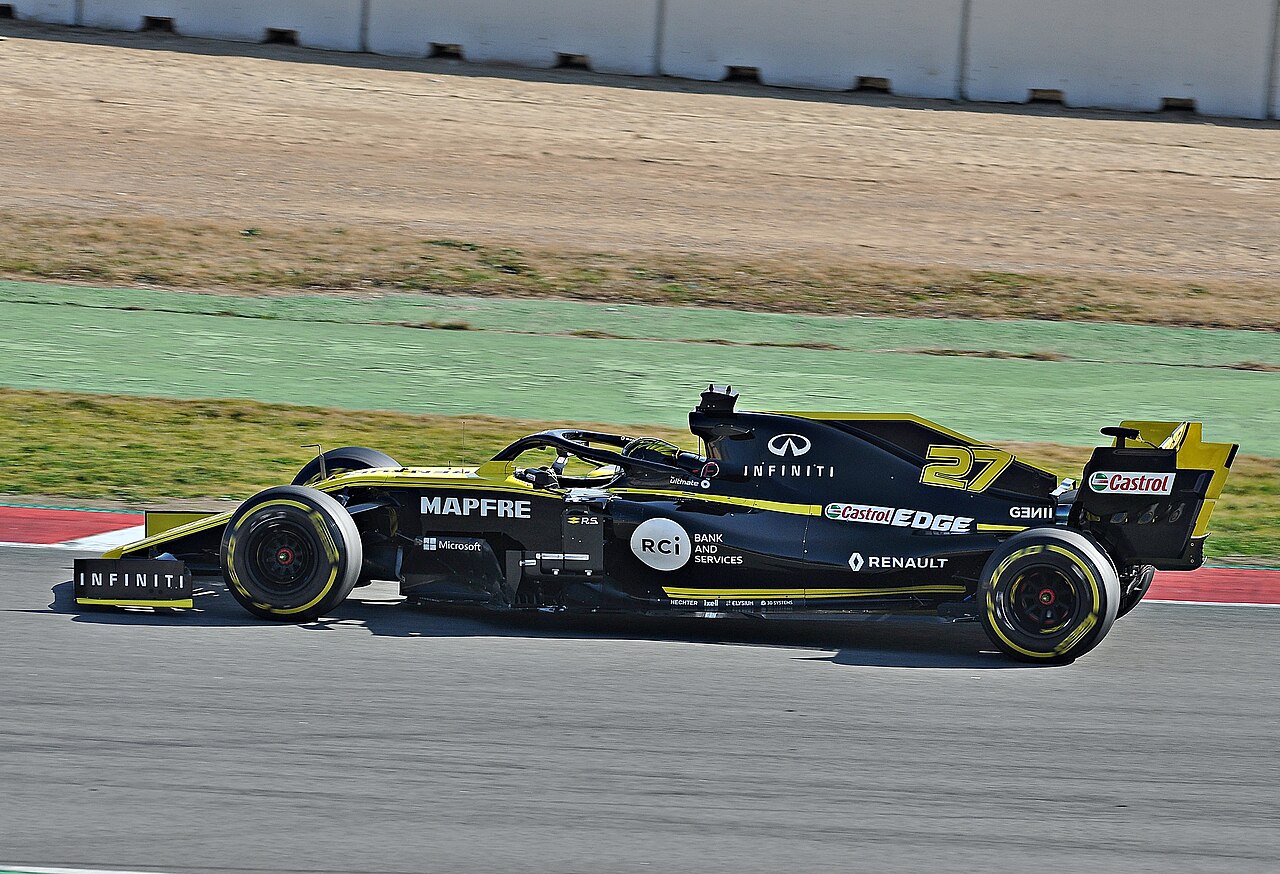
285	555
1047	597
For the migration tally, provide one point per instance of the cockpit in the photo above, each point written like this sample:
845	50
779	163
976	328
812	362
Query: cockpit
592	459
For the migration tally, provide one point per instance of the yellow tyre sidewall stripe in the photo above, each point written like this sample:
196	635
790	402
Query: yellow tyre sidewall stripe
330	548
1078	633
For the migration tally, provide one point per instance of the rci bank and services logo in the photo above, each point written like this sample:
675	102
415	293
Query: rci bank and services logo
662	544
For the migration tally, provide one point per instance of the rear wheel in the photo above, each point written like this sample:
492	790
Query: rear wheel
343	460
291	554
1048	595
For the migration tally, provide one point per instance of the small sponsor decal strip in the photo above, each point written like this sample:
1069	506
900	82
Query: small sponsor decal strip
713	594
1209	587
134	602
1031	513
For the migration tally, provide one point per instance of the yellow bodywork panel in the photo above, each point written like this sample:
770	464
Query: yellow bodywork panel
1186	438
160	521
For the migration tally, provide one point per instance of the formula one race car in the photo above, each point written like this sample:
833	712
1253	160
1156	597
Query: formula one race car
780	513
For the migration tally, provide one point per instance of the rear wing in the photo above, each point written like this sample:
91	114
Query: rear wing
1150	494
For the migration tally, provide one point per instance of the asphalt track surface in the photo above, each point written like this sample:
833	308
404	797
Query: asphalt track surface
395	740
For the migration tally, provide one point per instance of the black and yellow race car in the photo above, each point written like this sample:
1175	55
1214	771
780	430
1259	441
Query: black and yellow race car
779	513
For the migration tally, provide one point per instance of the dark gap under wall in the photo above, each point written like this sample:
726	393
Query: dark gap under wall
572	62
1178	104
873	83
280	36
6	11
446	50
742	74
154	24
1045	95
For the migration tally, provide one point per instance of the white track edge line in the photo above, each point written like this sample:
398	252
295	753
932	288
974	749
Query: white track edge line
5	544
26	869
108	539
1209	603
92	543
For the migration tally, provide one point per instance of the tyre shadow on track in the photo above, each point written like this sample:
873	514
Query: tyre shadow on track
877	641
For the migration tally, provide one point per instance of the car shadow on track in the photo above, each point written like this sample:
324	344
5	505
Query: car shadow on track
877	641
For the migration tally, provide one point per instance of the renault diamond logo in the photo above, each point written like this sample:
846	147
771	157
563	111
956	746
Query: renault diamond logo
789	444
855	562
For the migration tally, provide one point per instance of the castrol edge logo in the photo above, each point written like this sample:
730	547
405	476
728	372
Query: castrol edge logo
900	517
1111	482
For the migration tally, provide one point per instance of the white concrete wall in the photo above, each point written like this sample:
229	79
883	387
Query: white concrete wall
48	11
826	44
1116	54
1123	54
1275	68
618	36
321	24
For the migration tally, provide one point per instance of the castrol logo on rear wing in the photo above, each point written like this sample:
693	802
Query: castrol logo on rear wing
1111	482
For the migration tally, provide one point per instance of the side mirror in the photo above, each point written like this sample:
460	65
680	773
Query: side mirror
538	477
732	431
1121	433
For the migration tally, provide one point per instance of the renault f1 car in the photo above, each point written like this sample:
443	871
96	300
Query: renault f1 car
780	513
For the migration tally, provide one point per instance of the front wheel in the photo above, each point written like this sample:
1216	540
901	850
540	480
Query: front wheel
343	460
291	554
1048	595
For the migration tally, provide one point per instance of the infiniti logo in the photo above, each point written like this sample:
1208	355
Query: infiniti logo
789	444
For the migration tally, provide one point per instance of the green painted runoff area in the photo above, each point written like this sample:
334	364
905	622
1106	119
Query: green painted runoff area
1131	344
520	359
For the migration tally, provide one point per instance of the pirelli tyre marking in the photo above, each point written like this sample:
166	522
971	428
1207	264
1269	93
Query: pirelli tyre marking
291	553
1081	630
1049	590
330	548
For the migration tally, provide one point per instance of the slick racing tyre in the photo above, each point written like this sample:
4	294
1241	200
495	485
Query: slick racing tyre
1048	595
291	554
343	460
1135	585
